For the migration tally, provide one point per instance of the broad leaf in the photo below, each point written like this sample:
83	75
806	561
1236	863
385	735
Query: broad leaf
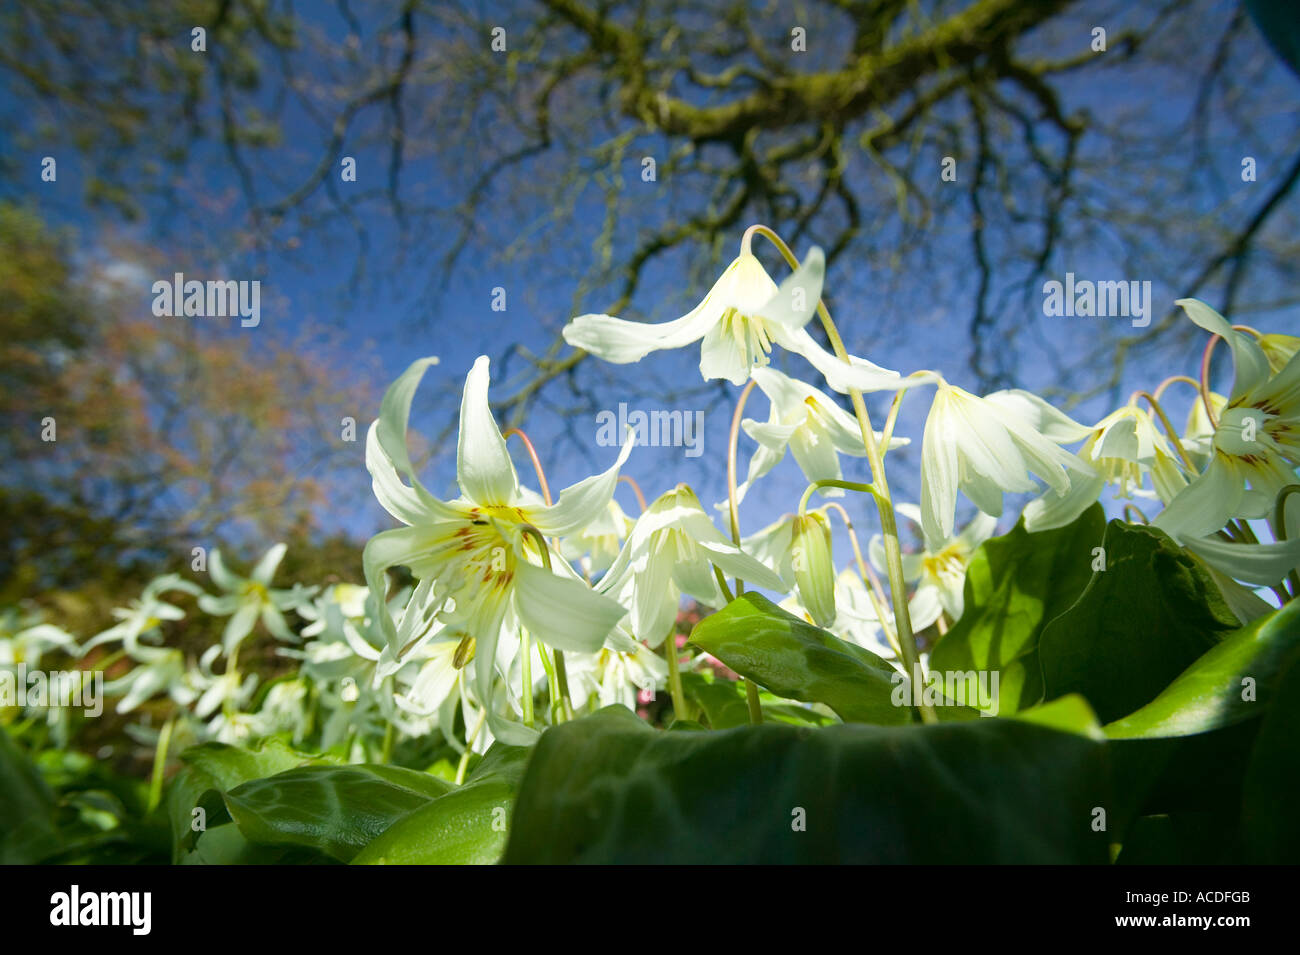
1270	818
1015	585
335	809
796	660
1139	623
28	831
609	789
1214	691
467	826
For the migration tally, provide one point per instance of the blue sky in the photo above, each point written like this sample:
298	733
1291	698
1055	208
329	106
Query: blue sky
408	315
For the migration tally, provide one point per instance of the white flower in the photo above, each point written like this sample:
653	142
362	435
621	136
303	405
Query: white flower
595	546
615	673
939	570
1122	448
478	569
156	670
144	616
740	319
248	599
985	447
1256	446
672	550
808	422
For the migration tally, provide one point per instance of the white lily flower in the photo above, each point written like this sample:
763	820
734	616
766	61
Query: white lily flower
25	639
1122	449
986	447
475	563
144	616
595	546
672	550
741	318
156	670
615	673
248	599
1256	446
939	570
808	422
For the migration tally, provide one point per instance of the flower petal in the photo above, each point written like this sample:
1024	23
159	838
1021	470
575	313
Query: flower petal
483	467
264	572
1249	363
563	612
582	503
796	299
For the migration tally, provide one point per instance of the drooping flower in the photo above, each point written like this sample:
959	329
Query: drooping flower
145	615
808	422
672	550
248	599
1122	449
615	674
986	447
478	564
1256	445
813	566
740	319
939	569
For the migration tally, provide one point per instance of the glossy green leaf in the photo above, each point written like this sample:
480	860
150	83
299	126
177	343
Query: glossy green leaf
467	826
725	705
1270	814
336	809
1214	691
214	768
796	660
28	831
1139	623
1015	585
609	789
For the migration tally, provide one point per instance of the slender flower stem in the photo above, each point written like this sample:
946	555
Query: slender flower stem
1204	383
636	489
537	463
1136	510
834	482
1279	530
526	677
463	765
160	764
875	592
1169	428
1184	379
884	503
732	441
675	676
754	702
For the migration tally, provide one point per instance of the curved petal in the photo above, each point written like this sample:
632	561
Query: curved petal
1249	363
483	467
654	599
395	412
841	376
938	475
563	612
1049	511
817	458
734	562
796	299
220	574
582	503
1260	564
723	356
1205	505
1042	417
266	567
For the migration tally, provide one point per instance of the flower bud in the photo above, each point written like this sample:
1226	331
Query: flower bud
464	652
814	570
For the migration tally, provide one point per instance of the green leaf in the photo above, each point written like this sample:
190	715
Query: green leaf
1015	585
725	705
1208	694
1069	714
467	826
796	660
219	767
609	789
1270	820
336	809
28	831
1139	623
